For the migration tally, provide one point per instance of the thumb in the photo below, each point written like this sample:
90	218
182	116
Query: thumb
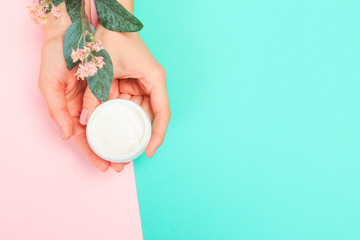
90	102
56	102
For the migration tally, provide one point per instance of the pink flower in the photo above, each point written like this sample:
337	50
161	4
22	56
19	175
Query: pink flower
80	54
38	9
75	55
99	62
55	11
86	70
37	12
95	46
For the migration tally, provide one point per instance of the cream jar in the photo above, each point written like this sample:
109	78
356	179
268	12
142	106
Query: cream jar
118	130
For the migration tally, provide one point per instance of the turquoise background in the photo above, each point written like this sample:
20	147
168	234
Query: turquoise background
264	137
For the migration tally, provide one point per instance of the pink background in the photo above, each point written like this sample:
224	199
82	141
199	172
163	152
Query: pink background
49	189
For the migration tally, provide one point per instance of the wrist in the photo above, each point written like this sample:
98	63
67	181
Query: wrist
102	31
56	27
128	4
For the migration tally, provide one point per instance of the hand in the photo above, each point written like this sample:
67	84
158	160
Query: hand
63	92
138	77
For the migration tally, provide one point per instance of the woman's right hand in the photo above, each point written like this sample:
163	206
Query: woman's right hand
138	77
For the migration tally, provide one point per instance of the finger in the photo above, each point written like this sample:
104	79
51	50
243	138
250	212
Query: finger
114	90
90	102
118	167
56	101
81	141
145	104
130	86
137	99
160	105
124	96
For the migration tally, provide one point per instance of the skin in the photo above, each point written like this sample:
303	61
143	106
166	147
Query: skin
137	76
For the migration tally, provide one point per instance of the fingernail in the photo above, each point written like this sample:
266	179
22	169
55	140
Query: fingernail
103	168
83	116
61	133
152	154
118	169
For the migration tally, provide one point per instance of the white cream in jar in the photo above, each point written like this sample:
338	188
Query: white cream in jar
118	130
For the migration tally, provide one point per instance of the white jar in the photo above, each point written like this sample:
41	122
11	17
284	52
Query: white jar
118	130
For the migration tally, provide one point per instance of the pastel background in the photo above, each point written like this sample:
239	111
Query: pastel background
48	189
263	142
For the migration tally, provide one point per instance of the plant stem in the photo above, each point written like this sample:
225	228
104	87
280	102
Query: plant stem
82	35
84	15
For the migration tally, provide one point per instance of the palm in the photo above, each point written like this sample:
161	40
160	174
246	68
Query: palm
129	81
54	74
137	92
138	77
64	95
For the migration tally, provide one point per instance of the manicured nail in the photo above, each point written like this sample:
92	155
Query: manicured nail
83	116
61	133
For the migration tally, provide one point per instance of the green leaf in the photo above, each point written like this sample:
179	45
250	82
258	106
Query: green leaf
57	2
73	7
100	83
115	17
71	41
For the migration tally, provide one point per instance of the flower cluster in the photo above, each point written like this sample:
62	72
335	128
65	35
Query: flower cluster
39	8
88	68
